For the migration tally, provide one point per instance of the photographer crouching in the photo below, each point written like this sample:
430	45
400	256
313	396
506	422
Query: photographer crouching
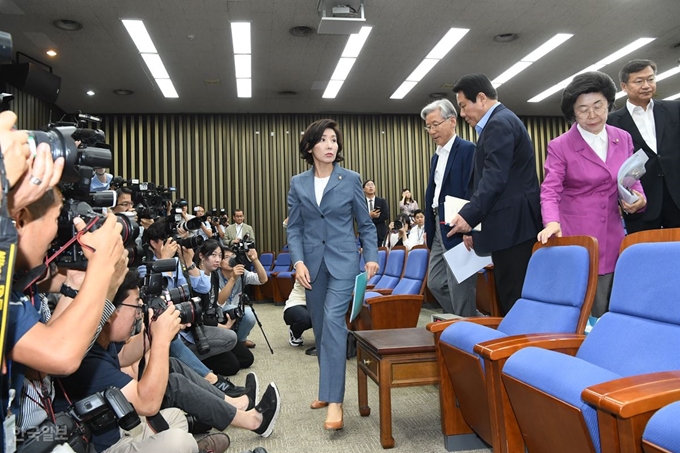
232	277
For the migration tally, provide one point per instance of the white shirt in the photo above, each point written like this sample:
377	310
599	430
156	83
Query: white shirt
239	230
319	186
443	153
415	237
368	203
598	142
644	120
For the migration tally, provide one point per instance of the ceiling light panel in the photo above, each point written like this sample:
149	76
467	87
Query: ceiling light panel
439	51
672	98
240	40
534	56
155	65
167	88
139	35
355	43
594	67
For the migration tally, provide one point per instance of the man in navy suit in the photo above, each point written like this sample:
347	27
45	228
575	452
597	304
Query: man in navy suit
378	210
655	128
506	193
450	170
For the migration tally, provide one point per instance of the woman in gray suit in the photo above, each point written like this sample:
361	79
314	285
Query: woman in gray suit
323	204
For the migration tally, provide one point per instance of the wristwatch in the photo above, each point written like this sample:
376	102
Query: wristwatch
192	267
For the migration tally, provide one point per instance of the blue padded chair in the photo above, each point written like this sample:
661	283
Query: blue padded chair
398	308
382	259
267	261
557	296
394	268
580	391
662	433
282	264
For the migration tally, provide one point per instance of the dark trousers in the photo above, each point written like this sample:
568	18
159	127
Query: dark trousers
669	217
188	391
509	268
229	363
298	318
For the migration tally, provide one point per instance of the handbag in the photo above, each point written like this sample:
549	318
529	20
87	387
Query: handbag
351	345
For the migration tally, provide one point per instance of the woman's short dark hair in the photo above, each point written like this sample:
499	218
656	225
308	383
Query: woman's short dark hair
588	82
313	135
131	281
207	249
473	84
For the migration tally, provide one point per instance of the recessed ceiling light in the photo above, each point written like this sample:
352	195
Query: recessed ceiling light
90	93
51	53
68	24
300	31
349	55
506	37
140	36
122	92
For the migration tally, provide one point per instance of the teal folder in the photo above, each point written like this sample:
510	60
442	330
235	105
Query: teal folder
359	291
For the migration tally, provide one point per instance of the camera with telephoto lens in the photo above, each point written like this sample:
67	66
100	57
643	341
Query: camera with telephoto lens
150	200
155	295
69	251
175	220
397	225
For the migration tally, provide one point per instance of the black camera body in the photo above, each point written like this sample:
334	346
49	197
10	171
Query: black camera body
155	295
176	220
240	250
150	200
103	409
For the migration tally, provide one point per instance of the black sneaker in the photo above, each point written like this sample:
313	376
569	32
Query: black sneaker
252	389
227	387
293	340
213	443
269	406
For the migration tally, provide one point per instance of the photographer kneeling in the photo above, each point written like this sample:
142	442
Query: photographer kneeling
233	275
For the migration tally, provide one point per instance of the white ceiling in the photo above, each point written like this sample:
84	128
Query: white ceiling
102	57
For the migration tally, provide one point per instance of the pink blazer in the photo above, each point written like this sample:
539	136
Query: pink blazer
579	190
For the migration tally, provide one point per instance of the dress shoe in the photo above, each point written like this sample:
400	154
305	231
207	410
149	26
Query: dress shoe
249	344
336	425
316	404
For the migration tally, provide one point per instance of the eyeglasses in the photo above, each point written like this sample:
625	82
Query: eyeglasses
639	82
598	109
138	309
125	204
429	127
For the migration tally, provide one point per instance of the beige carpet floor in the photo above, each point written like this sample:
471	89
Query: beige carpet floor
415	410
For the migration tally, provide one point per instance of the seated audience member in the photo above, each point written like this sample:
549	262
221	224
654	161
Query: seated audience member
398	236
78	315
296	316
416	236
164	384
232	277
579	194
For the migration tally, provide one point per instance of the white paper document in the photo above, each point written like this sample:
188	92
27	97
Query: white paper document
631	170
465	263
451	207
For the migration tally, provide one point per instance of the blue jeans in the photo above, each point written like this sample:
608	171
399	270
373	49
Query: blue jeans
179	351
247	323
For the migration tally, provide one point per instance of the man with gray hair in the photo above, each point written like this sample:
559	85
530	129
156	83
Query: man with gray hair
450	170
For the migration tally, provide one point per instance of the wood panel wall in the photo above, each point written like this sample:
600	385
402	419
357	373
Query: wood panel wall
246	161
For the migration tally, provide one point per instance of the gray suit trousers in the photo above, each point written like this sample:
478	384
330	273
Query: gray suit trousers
454	297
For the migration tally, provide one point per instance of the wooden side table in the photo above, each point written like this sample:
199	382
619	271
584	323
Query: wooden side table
393	358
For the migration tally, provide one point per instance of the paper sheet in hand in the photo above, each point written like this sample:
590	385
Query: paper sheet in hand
465	263
631	170
451	207
360	283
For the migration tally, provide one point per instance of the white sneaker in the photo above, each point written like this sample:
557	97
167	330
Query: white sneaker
295	342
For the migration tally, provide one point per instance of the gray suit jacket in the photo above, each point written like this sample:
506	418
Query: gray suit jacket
232	233
326	232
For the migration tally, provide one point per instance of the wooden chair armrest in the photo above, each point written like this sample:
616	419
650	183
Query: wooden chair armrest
631	396
389	299
488	321
384	292
502	348
370	287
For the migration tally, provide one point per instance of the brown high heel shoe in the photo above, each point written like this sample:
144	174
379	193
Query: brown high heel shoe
335	425
316	404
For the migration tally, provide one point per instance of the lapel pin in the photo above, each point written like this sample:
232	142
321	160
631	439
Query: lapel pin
339	177
616	140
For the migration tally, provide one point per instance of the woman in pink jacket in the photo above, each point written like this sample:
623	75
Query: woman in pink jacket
579	194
